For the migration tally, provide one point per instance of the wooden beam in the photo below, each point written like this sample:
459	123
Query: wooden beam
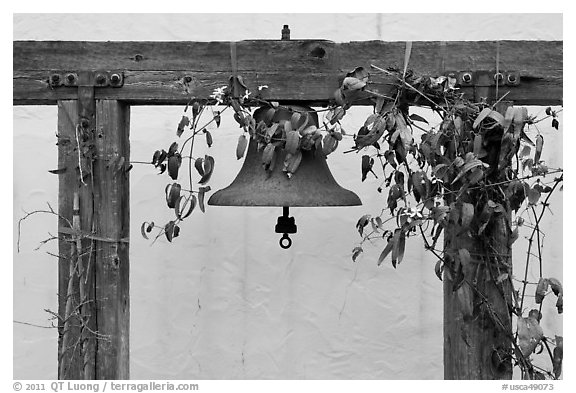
303	70
112	223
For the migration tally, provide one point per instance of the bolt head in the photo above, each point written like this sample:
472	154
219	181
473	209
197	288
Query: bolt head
115	79
511	78
55	78
467	77
100	79
498	77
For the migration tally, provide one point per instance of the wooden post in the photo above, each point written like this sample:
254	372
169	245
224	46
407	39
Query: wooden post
69	351
478	315
112	219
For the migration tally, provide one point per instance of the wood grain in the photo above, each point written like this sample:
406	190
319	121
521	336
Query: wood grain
302	70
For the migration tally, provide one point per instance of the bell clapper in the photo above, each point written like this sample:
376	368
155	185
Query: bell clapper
286	225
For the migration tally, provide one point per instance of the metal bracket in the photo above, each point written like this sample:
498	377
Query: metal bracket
96	79
485	78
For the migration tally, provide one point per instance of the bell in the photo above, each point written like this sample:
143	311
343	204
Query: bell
312	184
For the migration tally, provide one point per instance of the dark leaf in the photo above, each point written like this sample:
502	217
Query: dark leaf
539	145
483	114
198	166
560	303
356	252
556	286
387	249
185	207
533	196
549	111
362	222
399	246
367	164
162	169
208	169
143	230
241	146
58	171
467	214
558	356
183	123
217	118
529	335
419	118
174	163
438	268
169	230
555	123
195	110
172	194
201	192
173	149
209	140
541	289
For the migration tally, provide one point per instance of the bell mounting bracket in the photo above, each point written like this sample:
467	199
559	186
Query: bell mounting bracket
286	225
99	78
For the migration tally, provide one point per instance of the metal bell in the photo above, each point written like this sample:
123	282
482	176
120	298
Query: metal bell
312	184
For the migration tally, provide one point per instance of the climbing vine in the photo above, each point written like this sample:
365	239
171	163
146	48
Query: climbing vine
473	181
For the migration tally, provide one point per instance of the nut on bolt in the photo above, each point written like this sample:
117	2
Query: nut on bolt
498	77
70	79
467	77
55	79
513	78
115	79
100	79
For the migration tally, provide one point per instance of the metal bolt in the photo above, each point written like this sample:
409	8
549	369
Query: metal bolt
115	79
187	79
70	78
84	123
511	78
286	33
55	78
100	79
467	77
498	77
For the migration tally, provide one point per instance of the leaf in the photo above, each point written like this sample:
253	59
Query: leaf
172	194
367	164
466	168
143	230
529	335
467	214
549	111
174	163
539	145
387	249
555	123
351	83
187	208
399	246
438	268
465	298
330	144
419	118
525	151
513	236
185	121
464	256
171	230
477	144
195	110
58	171
208	169
541	289
209	140
481	116
173	149
556	286
560	303
201	192
217	118
356	252
241	146
292	162
533	196
362	222
198	166
558	356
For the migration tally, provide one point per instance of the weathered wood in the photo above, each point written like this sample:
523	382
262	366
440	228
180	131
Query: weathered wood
476	347
304	70
111	218
69	348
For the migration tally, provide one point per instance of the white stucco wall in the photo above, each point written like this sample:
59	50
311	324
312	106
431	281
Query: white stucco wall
223	301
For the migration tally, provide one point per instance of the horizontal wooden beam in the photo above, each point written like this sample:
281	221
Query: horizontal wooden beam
155	73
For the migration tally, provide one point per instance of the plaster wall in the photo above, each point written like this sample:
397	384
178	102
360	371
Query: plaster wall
223	301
